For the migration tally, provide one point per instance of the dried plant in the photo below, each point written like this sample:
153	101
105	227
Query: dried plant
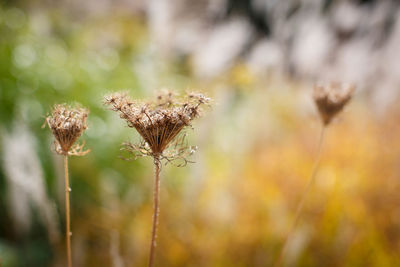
159	123
67	124
330	100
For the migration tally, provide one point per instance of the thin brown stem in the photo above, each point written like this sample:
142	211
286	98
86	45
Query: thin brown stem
156	211
67	211
303	198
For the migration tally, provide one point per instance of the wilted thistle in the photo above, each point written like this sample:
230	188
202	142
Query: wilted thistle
330	99
159	123
67	124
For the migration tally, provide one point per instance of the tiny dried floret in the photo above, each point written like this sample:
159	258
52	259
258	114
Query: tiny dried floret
67	124
331	98
158	122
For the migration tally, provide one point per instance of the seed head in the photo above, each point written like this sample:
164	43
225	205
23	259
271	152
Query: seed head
331	98
157	122
67	124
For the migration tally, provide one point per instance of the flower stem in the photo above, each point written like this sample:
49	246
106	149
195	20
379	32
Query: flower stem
303	198
156	210
67	211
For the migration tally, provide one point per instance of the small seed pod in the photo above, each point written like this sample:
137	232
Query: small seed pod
67	124
331	98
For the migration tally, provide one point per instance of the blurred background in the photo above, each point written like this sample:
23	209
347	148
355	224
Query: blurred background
258	60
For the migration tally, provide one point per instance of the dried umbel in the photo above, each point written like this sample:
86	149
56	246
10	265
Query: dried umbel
331	98
67	124
159	122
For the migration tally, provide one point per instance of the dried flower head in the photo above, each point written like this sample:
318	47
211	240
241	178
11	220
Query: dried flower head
67	124
331	98
159	122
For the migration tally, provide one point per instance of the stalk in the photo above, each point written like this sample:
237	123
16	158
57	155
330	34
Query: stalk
303	198
156	200
67	211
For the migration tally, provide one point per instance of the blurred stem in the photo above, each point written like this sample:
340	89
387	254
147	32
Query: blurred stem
67	212
156	210
303	198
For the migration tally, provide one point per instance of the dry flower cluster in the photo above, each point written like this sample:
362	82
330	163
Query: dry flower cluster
67	124
159	123
331	98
